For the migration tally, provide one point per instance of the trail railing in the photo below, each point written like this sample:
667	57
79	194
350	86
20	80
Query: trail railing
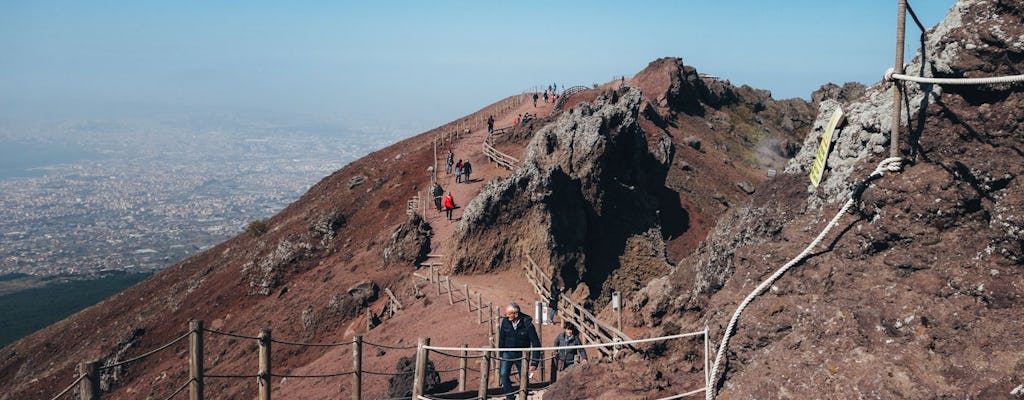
567	93
591	328
496	156
488	354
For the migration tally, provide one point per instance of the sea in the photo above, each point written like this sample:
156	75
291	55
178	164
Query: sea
27	159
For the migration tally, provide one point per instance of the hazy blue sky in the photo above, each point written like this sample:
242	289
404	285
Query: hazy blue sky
414	65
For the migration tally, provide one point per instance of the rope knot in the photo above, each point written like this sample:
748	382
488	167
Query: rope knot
888	75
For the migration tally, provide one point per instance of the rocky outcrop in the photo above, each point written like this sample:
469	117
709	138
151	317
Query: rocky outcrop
584	201
409	244
910	295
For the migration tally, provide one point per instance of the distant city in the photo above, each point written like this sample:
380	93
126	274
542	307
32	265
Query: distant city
88	197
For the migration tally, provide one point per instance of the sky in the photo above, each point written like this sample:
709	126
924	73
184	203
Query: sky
413	65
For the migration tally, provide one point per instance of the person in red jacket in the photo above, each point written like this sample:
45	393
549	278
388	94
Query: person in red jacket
449	205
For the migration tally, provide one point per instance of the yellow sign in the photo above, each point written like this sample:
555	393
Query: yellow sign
826	142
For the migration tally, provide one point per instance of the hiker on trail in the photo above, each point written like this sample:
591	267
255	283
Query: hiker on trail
516	330
516	122
545	96
553	297
535	99
458	172
437	191
449	162
490	124
467	169
449	205
567	357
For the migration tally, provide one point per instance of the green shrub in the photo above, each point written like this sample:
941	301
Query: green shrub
257	228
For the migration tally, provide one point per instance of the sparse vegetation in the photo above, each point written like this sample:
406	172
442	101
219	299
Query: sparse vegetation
257	228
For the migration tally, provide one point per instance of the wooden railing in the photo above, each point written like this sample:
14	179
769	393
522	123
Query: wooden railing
568	93
503	160
591	328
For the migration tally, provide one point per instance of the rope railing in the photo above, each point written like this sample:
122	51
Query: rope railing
68	389
229	334
147	354
216	376
890	75
314	344
892	164
180	389
331	375
384	346
573	347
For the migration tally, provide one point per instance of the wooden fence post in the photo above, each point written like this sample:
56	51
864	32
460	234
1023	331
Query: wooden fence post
524	375
357	367
448	284
263	381
479	308
554	369
195	360
897	90
89	389
491	321
421	367
469	304
485	375
462	369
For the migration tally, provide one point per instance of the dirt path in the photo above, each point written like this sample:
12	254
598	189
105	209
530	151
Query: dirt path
470	148
432	316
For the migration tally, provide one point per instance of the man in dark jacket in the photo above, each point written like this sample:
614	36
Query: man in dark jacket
516	331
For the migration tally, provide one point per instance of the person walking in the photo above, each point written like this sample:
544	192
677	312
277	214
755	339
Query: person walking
516	330
535	99
449	162
458	172
437	191
553	298
467	169
449	205
490	124
567	357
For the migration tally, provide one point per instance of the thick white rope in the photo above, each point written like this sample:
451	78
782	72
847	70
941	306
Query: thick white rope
581	346
892	164
889	76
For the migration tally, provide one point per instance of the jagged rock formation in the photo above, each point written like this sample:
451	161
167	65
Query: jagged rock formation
588	187
918	293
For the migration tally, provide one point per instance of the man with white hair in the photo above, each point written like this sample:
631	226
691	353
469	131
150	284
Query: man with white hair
516	330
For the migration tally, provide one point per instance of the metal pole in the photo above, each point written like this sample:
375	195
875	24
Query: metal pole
357	367
897	90
263	380
195	360
462	368
485	375
421	367
89	389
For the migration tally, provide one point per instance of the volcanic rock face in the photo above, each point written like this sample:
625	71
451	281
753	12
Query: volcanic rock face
915	295
585	201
